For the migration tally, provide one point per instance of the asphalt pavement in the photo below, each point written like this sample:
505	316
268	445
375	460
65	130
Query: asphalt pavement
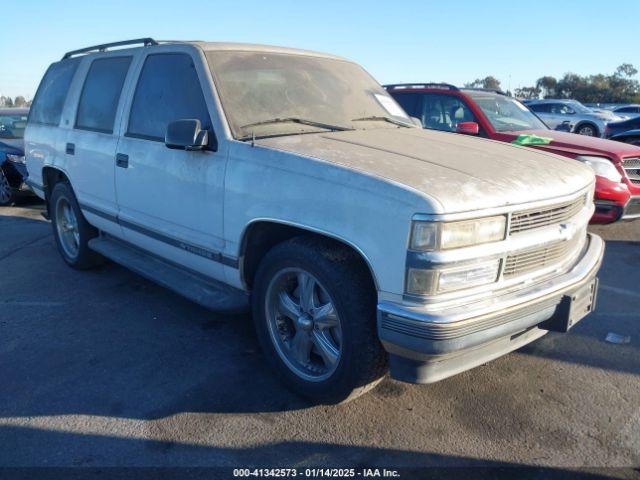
104	368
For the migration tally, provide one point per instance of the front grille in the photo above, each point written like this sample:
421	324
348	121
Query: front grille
538	258
541	217
632	169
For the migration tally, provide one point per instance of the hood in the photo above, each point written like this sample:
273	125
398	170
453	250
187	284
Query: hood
606	115
564	142
14	146
459	172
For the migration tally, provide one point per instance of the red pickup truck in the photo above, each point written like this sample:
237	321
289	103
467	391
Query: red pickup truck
491	114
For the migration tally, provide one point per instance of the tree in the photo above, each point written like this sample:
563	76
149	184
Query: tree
547	86
627	70
19	101
490	82
527	93
6	102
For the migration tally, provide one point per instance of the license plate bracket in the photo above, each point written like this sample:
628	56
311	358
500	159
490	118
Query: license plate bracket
573	308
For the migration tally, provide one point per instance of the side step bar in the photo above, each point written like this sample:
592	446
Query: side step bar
196	287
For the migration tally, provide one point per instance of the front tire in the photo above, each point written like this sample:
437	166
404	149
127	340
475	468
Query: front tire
314	308
6	192
71	230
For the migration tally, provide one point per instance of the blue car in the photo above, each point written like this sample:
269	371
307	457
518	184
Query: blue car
13	170
627	131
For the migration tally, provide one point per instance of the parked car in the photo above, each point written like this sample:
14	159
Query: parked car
493	115
625	131
627	111
290	180
575	116
13	170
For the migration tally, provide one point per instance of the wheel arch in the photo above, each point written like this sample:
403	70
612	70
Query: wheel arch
261	235
50	176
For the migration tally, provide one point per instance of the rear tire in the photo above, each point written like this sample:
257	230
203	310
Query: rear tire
71	230
587	129
323	344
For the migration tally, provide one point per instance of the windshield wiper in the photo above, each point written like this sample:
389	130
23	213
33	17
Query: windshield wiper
383	119
301	121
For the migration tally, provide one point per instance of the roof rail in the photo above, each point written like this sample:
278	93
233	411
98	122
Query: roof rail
401	86
493	90
102	48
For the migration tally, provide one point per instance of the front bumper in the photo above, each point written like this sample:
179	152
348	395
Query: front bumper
610	201
17	175
429	345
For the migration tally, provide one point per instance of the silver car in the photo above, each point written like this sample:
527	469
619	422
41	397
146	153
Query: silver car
571	115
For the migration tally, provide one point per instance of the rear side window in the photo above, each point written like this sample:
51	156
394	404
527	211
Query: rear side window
101	94
540	107
168	89
52	92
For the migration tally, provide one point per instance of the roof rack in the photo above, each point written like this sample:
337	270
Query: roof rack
102	48
494	90
401	86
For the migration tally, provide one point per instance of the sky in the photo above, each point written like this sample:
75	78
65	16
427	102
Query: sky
406	41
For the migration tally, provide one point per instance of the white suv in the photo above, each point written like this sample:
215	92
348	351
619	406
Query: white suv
291	181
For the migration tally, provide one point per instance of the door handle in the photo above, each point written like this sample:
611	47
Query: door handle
70	149
122	160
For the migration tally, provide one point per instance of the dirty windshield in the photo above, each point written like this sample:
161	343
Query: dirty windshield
505	113
269	94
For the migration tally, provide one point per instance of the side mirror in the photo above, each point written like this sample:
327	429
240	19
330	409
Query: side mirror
186	135
468	128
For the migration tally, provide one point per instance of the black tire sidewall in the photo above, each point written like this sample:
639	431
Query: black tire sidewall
343	380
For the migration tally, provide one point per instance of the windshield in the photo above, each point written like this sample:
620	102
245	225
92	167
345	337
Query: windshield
578	107
506	114
12	126
269	94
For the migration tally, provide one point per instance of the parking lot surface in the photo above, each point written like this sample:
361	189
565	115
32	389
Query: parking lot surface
103	368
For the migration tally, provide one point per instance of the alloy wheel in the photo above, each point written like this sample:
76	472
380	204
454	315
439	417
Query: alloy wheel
587	131
303	324
67	228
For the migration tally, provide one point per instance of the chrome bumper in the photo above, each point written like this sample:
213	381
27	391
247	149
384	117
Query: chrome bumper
427	344
632	209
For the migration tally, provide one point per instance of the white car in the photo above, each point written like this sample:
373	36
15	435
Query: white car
291	181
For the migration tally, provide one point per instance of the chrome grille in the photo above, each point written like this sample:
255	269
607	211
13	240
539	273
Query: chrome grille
632	169
541	217
538	258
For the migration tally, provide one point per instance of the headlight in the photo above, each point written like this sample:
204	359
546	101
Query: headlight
16	158
429	282
602	167
444	235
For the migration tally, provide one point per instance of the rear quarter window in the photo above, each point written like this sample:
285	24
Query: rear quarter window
101	94
52	92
